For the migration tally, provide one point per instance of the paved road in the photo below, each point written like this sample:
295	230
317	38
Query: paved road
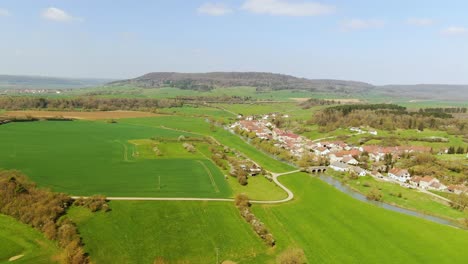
275	180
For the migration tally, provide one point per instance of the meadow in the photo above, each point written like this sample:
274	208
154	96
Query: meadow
200	127
19	239
195	232
86	158
332	227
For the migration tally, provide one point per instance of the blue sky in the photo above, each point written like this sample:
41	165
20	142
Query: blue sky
381	42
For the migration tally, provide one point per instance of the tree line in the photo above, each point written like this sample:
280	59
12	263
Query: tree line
45	211
444	110
86	103
334	118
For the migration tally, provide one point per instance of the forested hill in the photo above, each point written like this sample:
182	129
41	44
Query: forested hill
428	91
26	82
260	80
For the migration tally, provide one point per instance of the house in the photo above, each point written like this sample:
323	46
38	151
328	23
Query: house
414	181
339	166
359	171
254	170
400	175
350	160
376	174
437	186
457	189
426	181
373	132
322	151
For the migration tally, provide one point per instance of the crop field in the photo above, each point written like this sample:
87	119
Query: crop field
85	158
195	232
95	115
17	239
199	126
332	227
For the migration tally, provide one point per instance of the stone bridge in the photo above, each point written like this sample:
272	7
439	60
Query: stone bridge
317	169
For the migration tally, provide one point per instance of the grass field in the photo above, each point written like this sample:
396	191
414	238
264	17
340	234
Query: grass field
19	239
138	232
85	158
201	127
410	198
332	227
95	115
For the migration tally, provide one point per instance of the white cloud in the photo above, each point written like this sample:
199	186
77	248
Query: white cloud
4	12
287	7
214	9
420	21
454	30
58	15
358	24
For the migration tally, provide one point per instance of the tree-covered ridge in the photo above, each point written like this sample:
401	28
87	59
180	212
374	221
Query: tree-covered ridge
91	103
261	80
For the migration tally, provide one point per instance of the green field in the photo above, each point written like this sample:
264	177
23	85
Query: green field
85	158
138	232
201	127
19	239
332	227
410	198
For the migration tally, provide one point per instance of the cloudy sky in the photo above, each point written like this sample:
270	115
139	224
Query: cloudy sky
382	42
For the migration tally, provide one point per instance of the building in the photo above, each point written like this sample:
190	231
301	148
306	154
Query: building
359	171
400	175
339	166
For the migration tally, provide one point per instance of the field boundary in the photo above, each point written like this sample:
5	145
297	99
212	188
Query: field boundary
208	171
275	179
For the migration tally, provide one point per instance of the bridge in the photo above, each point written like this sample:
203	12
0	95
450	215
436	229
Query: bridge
317	169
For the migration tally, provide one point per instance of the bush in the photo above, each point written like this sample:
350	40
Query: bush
374	195
292	256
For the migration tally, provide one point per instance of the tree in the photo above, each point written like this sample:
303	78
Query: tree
292	256
241	200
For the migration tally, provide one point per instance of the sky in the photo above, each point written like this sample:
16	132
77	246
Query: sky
381	42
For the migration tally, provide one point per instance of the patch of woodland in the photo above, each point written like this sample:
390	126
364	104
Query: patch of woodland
242	203
45	211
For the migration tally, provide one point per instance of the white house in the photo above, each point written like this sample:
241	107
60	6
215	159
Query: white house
350	160
401	175
339	166
359	171
426	181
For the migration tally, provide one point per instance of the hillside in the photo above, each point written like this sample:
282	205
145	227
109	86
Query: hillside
260	80
427	91
39	82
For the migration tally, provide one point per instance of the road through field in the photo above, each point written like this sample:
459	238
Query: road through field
275	180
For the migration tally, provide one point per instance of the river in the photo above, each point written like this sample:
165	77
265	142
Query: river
356	195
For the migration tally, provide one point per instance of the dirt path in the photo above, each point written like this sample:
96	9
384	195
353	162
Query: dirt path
275	179
15	258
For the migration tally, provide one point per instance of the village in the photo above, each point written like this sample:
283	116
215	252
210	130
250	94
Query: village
343	157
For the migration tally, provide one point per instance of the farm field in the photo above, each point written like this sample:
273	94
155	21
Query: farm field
139	232
19	239
200	126
332	227
86	158
94	115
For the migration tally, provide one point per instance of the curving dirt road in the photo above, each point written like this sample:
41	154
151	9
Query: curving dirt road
275	180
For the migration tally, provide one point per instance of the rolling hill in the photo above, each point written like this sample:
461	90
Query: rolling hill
260	80
39	82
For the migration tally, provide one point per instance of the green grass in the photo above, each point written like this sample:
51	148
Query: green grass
332	227
138	232
258	188
85	158
411	198
19	239
200	127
